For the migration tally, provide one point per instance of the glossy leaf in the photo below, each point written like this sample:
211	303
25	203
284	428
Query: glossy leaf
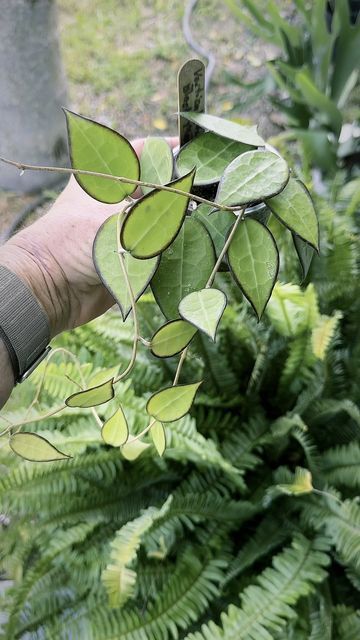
210	154
184	267
204	309
35	448
226	128
156	162
95	147
252	177
133	449
305	254
155	220
115	430
172	403
294	208
92	397
158	436
172	338
217	224
254	261
107	265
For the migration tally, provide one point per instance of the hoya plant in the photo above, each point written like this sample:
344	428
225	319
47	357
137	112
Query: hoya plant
203	210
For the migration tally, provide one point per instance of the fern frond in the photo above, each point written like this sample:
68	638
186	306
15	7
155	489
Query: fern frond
346	622
341	465
323	333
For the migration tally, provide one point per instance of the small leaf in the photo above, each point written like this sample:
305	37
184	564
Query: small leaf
95	147
217	224
156	162
107	265
171	338
252	177
115	430
184	267
305	254
294	208
204	309
155	220
133	449
302	483
35	448
254	261
158	437
225	128
210	154
92	397
172	403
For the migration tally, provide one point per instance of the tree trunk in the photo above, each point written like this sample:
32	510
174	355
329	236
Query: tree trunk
32	90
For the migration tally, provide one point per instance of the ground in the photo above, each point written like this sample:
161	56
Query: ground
121	61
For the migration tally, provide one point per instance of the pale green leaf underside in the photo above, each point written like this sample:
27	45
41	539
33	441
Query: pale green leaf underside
95	147
158	436
107	264
92	397
172	403
184	267
294	207
156	162
217	224
172	338
254	261
35	448
210	154
204	309
133	450
115	430
155	220
226	128
252	177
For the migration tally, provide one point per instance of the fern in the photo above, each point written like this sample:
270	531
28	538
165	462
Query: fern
341	465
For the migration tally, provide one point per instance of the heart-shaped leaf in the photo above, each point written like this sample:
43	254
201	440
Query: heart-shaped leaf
92	397
210	154
133	449
155	220
95	147
184	267
107	265
226	128
217	224
115	430
252	177
172	338
204	309
158	436
305	254
35	448
295	209
254	261
156	162
172	403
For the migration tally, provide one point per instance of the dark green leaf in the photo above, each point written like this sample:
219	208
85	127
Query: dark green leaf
217	224
92	397
210	154
252	177
305	254
35	448
172	338
294	208
158	436
184	267
254	260
94	147
172	403
226	128
155	220
204	309
156	162
107	264
115	430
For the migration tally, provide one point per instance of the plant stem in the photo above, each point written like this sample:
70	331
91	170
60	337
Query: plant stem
142	433
139	183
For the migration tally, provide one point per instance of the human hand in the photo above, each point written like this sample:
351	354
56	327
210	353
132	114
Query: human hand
54	256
